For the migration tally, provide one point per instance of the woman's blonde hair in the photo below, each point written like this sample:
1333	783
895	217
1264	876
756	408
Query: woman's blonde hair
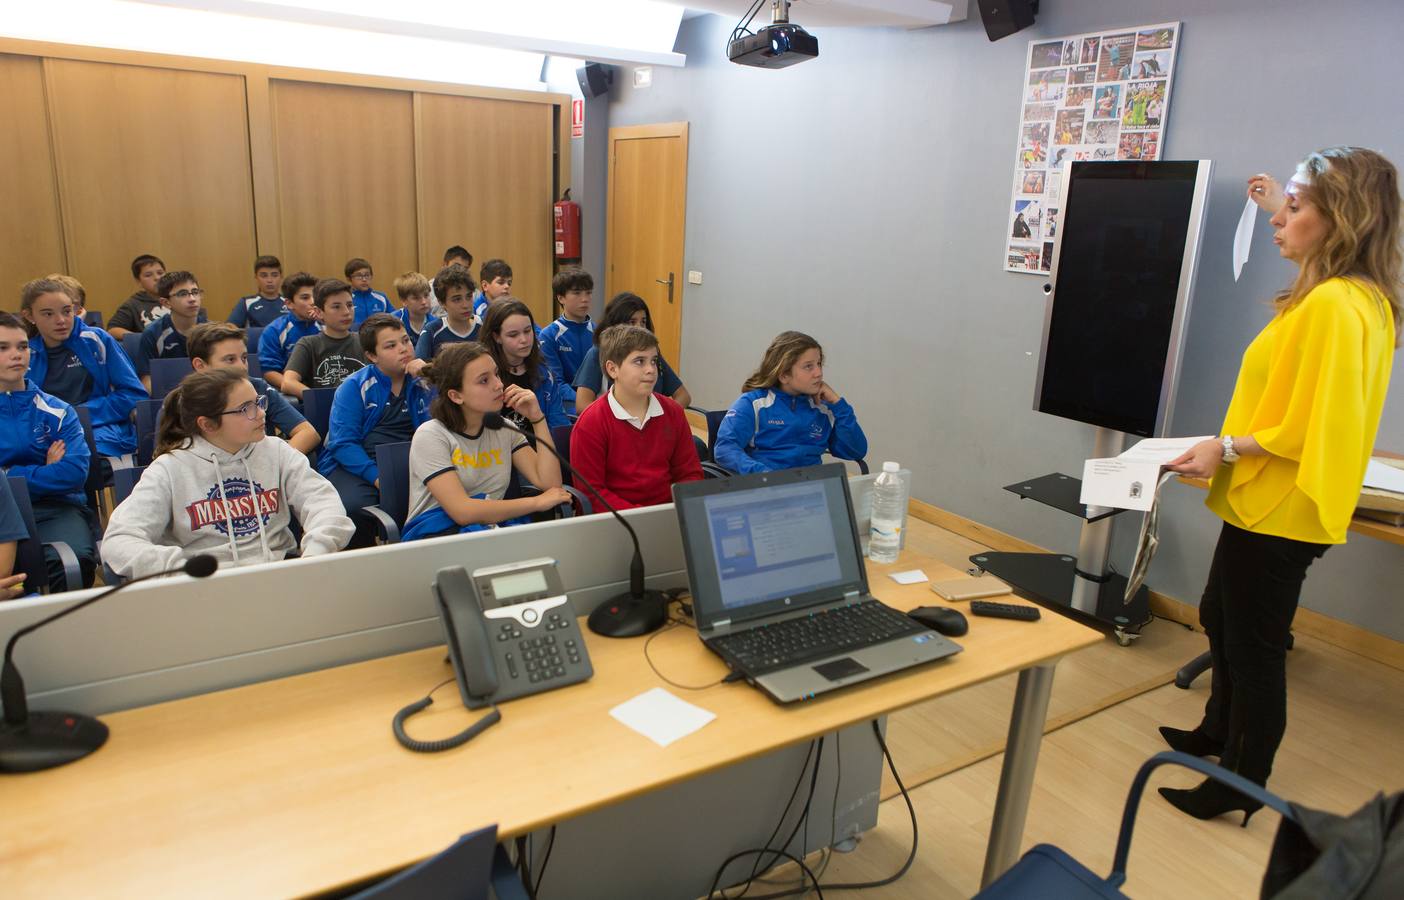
1357	191
780	357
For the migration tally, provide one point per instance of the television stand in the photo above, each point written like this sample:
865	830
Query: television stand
1082	586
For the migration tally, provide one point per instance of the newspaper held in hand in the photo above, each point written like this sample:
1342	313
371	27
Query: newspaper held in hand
1147	543
1129	481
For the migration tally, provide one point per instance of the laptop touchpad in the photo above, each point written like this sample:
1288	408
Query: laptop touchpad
839	669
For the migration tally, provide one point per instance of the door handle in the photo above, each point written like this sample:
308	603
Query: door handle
669	283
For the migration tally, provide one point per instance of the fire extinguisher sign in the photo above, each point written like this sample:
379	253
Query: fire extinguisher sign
577	118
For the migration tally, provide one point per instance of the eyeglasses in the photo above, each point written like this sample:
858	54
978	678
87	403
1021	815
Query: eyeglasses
361	276
192	292
251	409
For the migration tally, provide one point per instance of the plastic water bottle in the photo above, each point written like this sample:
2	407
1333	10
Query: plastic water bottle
889	515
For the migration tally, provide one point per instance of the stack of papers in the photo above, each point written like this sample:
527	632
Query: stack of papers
1130	481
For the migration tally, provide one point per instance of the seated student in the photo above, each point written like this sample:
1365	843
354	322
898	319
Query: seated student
327	358
380	404
220	345
414	290
261	308
12	531
788	416
623	309
454	288
368	302
143	307
165	338
216	486
635	445
74	288
458	471
454	254
510	336
82	365
565	341
276	343
495	279
43	443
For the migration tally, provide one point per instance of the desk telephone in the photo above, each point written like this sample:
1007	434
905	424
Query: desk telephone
511	632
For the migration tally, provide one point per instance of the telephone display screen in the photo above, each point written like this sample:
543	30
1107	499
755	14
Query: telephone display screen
518	584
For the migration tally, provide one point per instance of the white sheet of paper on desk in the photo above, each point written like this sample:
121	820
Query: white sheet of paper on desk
1384	478
1128	481
1243	237
661	717
911	576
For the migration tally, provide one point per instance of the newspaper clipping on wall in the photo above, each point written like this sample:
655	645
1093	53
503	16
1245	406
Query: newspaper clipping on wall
1089	97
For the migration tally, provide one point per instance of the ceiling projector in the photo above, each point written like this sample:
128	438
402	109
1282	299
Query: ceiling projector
777	45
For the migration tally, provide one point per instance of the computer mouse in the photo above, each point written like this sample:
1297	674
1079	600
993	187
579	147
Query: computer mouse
941	619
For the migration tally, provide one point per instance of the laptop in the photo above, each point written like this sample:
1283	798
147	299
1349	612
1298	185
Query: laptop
779	590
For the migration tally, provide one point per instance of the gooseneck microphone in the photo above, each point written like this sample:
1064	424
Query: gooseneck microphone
30	741
637	612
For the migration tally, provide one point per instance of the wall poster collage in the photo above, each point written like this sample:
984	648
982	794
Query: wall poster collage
1089	97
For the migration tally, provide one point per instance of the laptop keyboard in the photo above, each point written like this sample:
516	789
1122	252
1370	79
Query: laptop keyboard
791	642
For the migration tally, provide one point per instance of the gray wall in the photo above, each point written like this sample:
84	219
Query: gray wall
863	197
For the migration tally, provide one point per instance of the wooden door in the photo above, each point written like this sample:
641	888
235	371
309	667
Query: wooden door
30	231
647	210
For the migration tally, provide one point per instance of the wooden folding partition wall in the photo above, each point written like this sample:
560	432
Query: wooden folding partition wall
106	154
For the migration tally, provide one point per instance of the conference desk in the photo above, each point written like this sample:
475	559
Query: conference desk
296	785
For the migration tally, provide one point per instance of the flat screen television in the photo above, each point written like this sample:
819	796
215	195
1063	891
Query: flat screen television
1124	264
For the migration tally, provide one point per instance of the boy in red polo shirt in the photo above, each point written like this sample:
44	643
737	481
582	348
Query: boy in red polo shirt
635	446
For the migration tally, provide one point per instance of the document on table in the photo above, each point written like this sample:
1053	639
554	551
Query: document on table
1384	477
661	717
1129	481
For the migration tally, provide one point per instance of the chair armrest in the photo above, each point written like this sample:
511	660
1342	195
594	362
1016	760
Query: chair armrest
862	465
385	524
586	508
712	470
72	572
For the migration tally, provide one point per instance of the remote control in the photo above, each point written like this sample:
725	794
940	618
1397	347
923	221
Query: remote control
1005	610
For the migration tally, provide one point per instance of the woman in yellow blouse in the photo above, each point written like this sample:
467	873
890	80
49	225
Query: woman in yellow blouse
1296	439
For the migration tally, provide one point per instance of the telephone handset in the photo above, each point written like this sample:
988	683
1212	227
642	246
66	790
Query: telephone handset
511	632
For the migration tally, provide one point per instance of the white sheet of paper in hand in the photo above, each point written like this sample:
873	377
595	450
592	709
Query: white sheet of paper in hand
1128	481
911	576
1243	237
661	717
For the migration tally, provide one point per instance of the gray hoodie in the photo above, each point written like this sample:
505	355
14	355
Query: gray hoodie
234	506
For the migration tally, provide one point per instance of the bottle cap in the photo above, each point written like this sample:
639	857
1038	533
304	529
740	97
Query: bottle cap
890	467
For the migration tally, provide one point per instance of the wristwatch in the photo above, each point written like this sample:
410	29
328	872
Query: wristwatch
1230	454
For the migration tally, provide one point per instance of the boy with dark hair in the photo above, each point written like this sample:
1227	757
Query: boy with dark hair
565	341
637	444
368	302
414	290
165	338
327	358
221	345
454	254
43	443
380	404
143	307
454	288
261	308
496	280
276	343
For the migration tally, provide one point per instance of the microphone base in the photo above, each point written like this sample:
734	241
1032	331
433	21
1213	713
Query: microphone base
629	616
49	739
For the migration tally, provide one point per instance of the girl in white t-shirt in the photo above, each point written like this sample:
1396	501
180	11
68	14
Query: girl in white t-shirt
460	471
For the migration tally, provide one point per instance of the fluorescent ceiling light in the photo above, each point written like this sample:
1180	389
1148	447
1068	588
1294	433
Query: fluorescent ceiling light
605	30
211	35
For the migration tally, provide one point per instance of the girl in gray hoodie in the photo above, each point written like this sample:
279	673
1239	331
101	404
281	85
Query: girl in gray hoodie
218	486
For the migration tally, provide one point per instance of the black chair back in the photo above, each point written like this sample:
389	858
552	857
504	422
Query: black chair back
131	345
392	461
29	553
167	374
316	408
123	481
148	416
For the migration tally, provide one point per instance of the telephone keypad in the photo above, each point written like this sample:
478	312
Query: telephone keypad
544	658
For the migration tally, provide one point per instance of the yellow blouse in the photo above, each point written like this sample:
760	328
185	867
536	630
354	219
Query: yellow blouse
1311	389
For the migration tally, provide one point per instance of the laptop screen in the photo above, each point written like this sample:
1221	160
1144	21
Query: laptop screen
757	544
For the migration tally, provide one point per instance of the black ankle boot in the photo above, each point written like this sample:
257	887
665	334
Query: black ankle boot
1195	743
1211	800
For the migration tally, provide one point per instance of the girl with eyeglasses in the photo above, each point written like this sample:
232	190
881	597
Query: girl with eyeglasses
216	486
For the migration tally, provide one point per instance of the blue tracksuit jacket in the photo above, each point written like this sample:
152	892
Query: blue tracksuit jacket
368	303
276	343
564	344
403	315
356	410
116	387
769	429
34	420
257	311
